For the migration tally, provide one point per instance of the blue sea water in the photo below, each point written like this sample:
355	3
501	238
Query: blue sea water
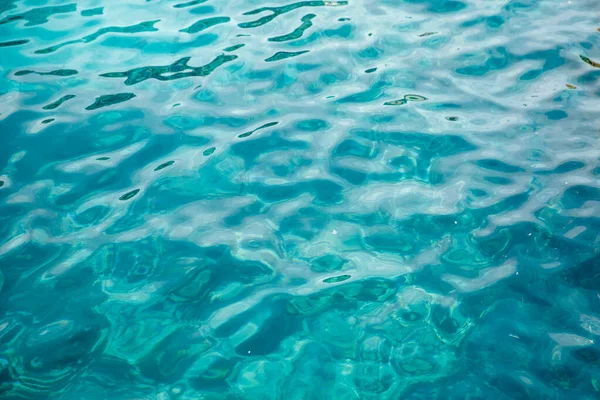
269	199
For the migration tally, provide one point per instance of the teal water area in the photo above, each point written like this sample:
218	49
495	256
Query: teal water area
361	199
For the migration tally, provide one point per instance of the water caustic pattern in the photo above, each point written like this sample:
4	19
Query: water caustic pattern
362	199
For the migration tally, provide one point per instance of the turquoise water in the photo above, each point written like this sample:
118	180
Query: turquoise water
362	199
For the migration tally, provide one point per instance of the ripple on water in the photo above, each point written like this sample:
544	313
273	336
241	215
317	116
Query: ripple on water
299	199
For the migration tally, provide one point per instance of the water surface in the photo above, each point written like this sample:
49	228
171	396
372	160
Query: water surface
362	199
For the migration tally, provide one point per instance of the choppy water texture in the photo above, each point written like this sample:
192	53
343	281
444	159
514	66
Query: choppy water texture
362	199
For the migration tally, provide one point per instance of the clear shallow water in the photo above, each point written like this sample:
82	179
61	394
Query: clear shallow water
311	200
